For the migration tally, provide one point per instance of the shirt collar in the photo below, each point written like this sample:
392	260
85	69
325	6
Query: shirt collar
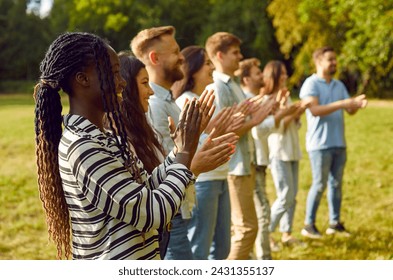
84	128
322	80
221	76
161	92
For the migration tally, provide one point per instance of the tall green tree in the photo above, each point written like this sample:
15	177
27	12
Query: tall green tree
359	30
24	39
119	21
248	20
369	44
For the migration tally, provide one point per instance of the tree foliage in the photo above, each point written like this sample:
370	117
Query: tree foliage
24	39
120	20
194	21
289	30
359	30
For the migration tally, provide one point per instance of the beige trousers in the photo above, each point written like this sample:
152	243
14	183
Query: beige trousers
243	215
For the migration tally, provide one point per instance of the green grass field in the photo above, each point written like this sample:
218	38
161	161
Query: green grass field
366	210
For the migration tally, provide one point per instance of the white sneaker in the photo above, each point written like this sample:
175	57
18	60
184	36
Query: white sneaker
311	231
337	228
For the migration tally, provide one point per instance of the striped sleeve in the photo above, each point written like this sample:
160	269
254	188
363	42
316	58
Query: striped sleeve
160	172
107	185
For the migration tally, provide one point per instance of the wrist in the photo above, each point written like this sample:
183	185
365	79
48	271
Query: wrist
184	158
345	103
174	150
195	169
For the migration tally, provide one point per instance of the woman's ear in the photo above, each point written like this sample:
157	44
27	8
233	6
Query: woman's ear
82	79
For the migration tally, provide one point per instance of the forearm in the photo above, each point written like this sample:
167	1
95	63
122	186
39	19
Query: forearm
287	120
323	110
278	117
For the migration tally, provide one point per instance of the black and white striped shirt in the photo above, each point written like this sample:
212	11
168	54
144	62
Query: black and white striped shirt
113	216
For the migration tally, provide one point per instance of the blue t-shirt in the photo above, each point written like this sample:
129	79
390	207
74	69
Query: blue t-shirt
326	131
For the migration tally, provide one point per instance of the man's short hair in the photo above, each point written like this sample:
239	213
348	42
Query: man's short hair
320	52
221	41
245	67
146	38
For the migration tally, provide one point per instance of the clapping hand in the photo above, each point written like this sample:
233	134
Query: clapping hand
355	103
263	110
225	121
218	125
207	107
282	96
361	100
213	153
186	134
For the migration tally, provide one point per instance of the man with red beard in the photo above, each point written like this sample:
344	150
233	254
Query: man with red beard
325	139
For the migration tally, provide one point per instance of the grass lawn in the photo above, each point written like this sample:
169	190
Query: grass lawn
366	209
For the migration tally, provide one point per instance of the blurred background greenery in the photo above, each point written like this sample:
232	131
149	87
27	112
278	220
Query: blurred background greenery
289	30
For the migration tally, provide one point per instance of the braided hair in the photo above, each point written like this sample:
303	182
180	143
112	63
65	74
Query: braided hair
139	131
68	54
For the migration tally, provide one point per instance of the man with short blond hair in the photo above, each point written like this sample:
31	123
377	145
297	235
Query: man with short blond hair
147	39
223	49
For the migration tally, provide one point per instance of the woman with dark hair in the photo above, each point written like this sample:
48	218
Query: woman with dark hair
284	151
198	70
133	105
90	181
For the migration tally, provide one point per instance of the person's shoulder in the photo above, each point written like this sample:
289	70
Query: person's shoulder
155	101
308	86
213	86
181	100
338	82
248	94
312	79
75	141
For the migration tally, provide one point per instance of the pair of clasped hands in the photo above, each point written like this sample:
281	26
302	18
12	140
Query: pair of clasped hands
355	103
196	118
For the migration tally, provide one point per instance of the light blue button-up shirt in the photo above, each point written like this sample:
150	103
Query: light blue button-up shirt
228	92
162	105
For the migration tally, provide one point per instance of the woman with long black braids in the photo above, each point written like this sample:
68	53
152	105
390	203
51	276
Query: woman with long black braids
91	184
